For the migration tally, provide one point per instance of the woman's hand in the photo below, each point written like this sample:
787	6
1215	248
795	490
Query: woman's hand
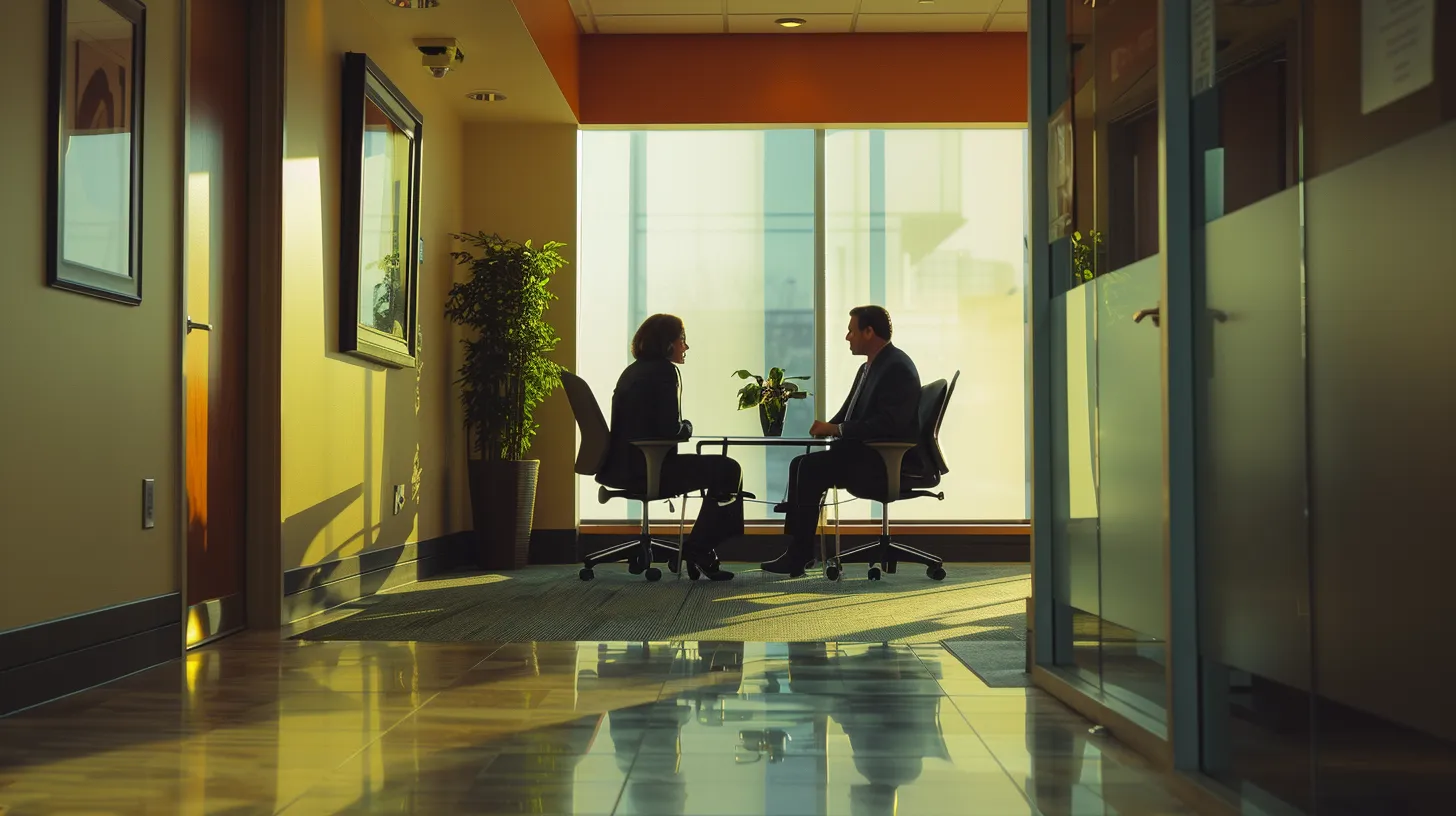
823	429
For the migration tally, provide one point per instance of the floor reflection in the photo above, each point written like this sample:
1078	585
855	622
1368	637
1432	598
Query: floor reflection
811	729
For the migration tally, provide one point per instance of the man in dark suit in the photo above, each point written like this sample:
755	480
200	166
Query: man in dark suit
883	404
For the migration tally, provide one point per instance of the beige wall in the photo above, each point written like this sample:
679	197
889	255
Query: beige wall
352	430
89	400
520	181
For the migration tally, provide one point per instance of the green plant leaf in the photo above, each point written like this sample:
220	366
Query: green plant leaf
506	371
749	396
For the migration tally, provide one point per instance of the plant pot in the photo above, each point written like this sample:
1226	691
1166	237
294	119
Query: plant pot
503	502
771	421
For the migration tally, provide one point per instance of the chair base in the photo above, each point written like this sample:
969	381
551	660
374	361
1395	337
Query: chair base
888	553
639	554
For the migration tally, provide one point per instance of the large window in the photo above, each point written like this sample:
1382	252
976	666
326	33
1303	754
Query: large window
719	227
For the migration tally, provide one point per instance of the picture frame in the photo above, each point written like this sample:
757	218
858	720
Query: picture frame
96	81
379	255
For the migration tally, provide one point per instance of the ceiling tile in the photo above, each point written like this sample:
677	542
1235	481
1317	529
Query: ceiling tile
938	7
664	7
880	23
814	24
785	8
1008	22
1013	6
660	24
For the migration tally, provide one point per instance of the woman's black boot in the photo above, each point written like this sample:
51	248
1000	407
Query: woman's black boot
706	564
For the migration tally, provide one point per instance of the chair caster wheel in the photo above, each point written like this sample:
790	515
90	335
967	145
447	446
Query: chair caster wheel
935	573
832	573
874	573
673	565
654	574
693	572
587	574
636	567
890	567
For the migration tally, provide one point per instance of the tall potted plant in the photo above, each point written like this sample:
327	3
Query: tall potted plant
505	375
771	394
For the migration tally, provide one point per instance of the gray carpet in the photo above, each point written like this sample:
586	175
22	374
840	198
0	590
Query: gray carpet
999	663
974	603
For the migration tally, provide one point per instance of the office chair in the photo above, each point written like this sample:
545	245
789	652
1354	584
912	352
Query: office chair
911	484
640	552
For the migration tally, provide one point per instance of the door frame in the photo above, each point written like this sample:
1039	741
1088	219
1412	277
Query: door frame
263	580
1046	67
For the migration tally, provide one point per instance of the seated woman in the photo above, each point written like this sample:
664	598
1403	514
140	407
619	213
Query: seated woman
646	405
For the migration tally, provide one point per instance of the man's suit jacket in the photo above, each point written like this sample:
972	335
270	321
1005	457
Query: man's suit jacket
645	405
887	406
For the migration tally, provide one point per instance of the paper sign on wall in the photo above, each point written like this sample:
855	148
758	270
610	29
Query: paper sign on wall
1202	40
1397	50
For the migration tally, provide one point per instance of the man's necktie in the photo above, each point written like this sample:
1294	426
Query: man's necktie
858	387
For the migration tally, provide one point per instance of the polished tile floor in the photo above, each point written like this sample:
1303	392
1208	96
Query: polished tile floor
254	725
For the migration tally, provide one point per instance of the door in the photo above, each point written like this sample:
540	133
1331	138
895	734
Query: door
214	351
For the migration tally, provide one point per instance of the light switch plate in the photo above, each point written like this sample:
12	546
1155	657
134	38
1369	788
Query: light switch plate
149	503
398	498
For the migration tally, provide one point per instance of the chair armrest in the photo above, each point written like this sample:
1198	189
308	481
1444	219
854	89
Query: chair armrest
893	453
655	450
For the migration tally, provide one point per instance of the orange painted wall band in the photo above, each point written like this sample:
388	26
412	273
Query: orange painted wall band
811	79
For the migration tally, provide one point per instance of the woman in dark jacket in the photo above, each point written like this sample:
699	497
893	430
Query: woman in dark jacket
647	404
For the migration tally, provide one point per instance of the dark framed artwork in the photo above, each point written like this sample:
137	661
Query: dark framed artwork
379	217
94	217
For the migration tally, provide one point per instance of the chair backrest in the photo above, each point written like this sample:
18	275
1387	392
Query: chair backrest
934	398
595	436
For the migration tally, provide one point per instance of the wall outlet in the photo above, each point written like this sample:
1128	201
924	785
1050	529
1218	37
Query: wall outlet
149	503
398	498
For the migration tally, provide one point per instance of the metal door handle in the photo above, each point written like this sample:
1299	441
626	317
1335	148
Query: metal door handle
1154	313
193	324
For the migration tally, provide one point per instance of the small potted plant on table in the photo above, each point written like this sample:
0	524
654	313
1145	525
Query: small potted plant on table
771	394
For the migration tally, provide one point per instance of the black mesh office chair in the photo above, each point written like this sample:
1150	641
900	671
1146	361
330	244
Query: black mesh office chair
640	552
915	482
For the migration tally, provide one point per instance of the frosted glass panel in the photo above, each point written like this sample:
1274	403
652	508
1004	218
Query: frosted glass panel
1253	545
1382	393
1074	517
1130	445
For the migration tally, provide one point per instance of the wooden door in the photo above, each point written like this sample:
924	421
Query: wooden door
214	352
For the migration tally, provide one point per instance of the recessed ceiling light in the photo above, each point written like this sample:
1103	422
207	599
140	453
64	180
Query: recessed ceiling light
420	4
486	96
790	22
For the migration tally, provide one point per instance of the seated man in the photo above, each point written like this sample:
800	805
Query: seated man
883	404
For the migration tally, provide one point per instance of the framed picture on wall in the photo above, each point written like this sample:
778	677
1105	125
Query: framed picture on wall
94	190
1061	176
379	217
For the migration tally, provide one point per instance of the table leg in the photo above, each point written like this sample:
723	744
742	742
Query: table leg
682	517
836	526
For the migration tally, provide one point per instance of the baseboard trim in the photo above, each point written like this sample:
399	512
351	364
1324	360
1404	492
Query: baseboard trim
553	546
320	587
46	661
